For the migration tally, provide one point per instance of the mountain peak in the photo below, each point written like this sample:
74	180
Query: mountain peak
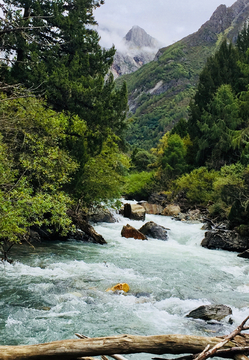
138	37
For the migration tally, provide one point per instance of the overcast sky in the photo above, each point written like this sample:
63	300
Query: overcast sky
166	20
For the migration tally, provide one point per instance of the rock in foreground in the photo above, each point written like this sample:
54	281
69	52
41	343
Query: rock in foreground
154	230
211	312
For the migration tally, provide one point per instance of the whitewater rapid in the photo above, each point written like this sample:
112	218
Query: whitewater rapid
59	289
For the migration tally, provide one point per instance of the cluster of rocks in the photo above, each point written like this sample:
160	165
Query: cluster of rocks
216	236
150	229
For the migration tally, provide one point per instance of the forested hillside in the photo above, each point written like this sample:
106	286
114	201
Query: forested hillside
159	92
204	160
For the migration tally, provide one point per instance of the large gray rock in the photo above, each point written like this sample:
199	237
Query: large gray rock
155	231
226	240
210	312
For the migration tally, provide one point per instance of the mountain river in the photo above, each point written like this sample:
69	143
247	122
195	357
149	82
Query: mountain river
57	289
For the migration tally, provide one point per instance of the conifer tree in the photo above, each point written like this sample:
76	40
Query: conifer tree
57	51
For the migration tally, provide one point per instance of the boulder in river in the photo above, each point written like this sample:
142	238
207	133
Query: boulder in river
154	230
171	210
154	209
134	211
210	312
226	240
129	231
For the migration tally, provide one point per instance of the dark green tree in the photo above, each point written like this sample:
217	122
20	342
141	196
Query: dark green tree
222	68
216	125
58	53
173	160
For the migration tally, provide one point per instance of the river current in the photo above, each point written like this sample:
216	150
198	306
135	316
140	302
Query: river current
59	289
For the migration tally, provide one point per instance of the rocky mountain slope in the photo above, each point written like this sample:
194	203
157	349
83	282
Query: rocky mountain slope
138	48
160	91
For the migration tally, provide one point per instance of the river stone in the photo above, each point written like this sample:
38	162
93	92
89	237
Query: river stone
134	212
155	231
226	240
154	209
210	312
129	231
171	210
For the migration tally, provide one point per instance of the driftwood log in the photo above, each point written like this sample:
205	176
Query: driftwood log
234	345
124	344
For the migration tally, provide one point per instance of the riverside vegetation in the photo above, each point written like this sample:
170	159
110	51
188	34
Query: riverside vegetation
204	159
63	122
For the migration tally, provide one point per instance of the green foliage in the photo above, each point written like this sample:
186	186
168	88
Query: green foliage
216	124
142	159
138	185
34	168
34	135
103	175
173	160
197	185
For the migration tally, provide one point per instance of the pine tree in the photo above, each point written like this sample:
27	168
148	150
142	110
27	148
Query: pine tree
58	53
216	126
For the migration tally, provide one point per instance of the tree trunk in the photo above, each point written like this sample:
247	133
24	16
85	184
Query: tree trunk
123	344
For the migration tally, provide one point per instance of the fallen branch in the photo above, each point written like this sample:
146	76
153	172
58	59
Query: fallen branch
209	353
206	353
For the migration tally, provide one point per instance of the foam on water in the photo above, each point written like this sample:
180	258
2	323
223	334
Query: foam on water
59	289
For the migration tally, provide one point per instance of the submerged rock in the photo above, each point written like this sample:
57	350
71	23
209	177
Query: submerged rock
129	231
226	240
210	312
154	230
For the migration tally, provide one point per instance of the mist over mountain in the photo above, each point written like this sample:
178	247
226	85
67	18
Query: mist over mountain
136	49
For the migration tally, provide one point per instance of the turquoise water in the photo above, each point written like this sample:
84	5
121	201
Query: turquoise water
58	289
